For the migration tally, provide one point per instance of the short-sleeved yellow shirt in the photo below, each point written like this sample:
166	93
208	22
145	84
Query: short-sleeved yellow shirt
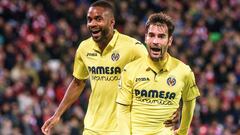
104	70
154	90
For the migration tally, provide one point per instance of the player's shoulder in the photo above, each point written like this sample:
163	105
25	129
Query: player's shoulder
135	64
86	42
129	40
183	67
132	45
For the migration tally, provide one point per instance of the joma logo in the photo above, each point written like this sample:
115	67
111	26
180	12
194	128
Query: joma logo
142	79
91	54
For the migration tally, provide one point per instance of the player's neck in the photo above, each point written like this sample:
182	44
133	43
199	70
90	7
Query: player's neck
102	45
162	60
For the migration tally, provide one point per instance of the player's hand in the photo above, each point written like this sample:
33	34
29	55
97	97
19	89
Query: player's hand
175	132
51	122
172	122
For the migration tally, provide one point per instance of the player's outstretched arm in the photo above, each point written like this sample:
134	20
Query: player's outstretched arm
186	118
74	90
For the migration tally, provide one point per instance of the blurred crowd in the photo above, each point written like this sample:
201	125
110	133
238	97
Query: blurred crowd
38	40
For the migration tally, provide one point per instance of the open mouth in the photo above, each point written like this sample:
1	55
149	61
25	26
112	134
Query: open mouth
156	49
95	33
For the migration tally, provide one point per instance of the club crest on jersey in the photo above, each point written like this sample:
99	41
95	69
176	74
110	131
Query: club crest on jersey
115	56
171	81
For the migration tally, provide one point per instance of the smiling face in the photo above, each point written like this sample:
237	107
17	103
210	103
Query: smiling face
158	41
100	23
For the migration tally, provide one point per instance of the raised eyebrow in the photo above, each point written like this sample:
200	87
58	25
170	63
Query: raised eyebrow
162	34
151	33
159	35
95	17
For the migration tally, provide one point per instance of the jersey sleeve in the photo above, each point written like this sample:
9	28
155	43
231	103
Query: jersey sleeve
79	69
139	50
125	89
190	90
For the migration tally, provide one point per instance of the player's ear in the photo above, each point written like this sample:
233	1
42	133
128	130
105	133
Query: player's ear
170	41
113	22
146	34
145	39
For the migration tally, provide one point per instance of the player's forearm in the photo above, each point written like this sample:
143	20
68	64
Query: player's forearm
124	117
187	114
74	90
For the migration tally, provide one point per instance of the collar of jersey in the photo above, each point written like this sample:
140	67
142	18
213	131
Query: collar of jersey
161	66
111	44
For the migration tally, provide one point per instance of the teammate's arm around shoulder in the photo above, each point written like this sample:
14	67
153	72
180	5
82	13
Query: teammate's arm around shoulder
74	90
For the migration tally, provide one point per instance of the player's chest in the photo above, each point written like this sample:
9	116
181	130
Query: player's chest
166	81
112	60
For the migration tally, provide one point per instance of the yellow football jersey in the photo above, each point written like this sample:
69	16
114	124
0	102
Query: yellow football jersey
104	70
154	89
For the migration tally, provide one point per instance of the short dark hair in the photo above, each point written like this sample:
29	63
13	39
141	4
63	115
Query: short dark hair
104	4
159	19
